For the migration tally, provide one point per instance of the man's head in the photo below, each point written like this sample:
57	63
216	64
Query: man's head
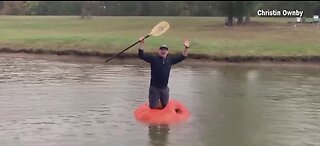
163	50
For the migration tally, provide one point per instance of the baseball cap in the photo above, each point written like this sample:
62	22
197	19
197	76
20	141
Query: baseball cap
164	46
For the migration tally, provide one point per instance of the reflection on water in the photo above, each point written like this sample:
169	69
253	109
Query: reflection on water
158	134
50	101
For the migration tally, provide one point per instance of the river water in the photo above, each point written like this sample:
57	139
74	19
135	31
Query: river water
55	101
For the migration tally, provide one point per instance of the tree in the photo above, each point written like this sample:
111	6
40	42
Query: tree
239	10
53	8
86	9
317	9
227	9
145	8
249	6
207	8
1	4
14	7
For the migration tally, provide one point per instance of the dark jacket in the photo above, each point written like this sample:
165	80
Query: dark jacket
160	68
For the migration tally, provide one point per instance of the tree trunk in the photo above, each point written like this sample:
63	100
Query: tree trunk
230	14
86	10
247	19
240	20
230	20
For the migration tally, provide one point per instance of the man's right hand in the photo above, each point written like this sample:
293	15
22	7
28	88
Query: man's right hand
141	40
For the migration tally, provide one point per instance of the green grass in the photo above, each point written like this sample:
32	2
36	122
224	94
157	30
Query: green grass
207	35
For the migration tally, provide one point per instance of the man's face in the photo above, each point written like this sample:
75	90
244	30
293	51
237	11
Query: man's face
163	52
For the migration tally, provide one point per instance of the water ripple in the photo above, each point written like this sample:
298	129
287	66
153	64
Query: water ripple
45	101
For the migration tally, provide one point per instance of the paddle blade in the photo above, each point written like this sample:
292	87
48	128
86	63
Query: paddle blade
160	28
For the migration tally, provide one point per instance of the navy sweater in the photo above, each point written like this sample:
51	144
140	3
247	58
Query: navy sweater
160	68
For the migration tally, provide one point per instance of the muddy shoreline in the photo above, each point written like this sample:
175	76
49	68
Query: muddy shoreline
200	57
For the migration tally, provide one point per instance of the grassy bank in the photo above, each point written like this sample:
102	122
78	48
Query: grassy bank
207	35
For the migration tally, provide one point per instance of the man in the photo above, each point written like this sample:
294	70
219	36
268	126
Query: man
160	71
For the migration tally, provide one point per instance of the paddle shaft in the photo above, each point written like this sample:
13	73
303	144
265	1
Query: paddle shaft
126	49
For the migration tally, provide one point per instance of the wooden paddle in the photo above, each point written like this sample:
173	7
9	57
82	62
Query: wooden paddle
157	30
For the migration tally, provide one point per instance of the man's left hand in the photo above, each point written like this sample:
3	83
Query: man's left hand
186	43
